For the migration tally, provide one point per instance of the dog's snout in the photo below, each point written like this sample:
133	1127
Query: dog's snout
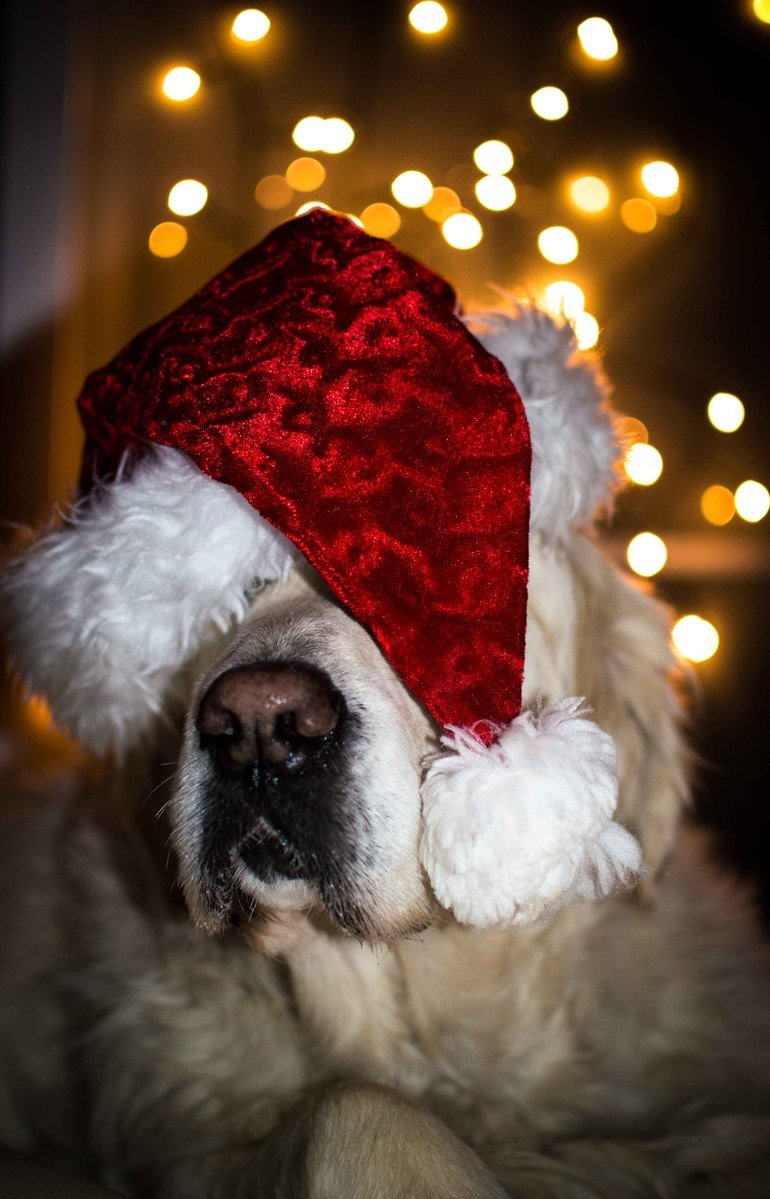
270	714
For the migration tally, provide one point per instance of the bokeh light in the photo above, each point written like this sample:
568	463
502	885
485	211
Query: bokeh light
180	83
597	37
413	189
558	244
550	103
493	157
250	25
643	464
631	430
442	204
381	220
646	554
564	299
338	136
495	192
638	215
695	639
305	174
187	197
589	193
660	179
309	133
726	412
586	330
752	501
428	17
762	10
309	205
717	504
273	192
167	239
462	230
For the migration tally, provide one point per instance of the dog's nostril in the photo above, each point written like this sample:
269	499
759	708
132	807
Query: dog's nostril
283	715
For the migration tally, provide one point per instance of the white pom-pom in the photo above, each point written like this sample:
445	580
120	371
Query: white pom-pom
515	831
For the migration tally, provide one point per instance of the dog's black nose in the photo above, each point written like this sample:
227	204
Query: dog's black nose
273	715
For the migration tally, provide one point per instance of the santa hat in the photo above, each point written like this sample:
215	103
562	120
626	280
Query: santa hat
322	397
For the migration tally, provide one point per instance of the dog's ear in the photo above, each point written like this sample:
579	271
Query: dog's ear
104	611
626	668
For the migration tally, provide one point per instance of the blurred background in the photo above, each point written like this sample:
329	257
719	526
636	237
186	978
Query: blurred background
610	162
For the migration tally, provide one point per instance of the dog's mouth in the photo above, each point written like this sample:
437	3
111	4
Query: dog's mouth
269	855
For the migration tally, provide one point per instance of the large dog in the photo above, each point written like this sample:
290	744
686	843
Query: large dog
342	1034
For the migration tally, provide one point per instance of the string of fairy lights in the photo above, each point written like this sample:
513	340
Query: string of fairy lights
658	194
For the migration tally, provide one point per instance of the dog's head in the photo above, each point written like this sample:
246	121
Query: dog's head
303	753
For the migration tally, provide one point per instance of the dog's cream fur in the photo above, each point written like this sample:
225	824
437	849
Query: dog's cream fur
620	1050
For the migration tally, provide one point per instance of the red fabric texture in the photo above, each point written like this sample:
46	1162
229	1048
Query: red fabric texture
325	375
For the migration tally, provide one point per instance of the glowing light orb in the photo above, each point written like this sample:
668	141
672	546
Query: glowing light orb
550	103
462	230
167	239
752	501
412	189
564	299
632	430
273	192
381	220
717	504
586	330
762	10
309	205
589	193
643	464
309	133
180	83
305	174
695	639
187	197
646	554
660	179
726	412
250	25
597	37
442	204
428	17
558	244
493	157
495	192
338	135
638	215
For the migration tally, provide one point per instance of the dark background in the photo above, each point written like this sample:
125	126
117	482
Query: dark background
90	151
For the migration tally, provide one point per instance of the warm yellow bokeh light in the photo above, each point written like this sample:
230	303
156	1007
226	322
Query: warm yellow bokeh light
493	157
564	299
589	193
442	204
273	192
646	554
462	230
428	17
597	37
250	25
726	412
309	133
412	189
187	197
643	464
752	501
381	220
550	103
180	83
762	10
167	239
717	504
695	639
495	192
305	174
660	179
338	135
558	244
638	215
631	430
586	330
309	205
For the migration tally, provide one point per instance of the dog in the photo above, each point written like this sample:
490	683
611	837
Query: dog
303	1017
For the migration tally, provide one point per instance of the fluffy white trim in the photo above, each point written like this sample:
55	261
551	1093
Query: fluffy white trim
575	449
104	612
517	830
